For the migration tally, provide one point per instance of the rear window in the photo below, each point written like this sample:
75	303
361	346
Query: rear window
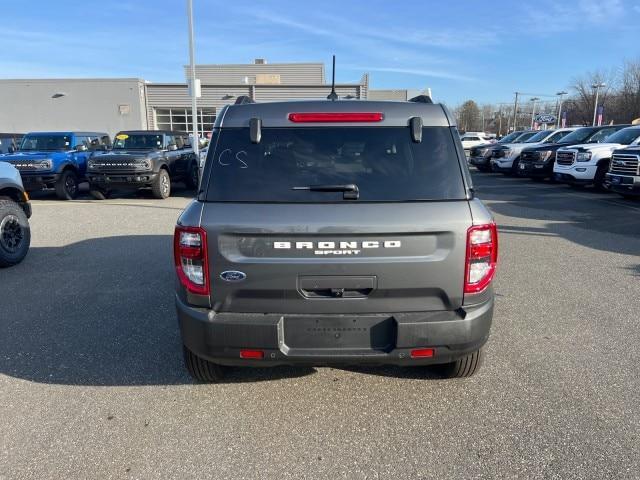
383	162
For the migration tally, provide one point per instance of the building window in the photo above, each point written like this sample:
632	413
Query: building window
180	119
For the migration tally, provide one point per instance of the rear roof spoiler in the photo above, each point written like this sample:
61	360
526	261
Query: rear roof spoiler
421	99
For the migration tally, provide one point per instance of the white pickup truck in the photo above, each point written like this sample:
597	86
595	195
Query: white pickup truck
506	158
588	164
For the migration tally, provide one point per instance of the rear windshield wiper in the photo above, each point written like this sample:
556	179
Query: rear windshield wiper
350	191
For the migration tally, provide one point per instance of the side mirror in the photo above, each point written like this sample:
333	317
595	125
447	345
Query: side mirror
12	149
172	147
81	148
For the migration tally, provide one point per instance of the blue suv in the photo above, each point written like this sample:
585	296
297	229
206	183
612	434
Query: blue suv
56	159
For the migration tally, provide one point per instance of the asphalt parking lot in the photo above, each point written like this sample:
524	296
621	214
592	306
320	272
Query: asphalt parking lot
92	383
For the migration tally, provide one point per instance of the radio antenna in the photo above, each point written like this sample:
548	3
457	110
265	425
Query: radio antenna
333	95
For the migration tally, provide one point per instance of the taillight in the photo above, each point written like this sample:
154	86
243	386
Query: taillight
190	255
327	117
482	257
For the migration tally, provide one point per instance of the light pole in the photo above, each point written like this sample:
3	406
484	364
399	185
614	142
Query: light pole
192	69
597	86
560	95
533	111
515	113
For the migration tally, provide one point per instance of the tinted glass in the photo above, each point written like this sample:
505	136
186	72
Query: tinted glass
602	135
137	142
626	136
538	137
384	163
510	137
556	137
580	135
525	136
45	142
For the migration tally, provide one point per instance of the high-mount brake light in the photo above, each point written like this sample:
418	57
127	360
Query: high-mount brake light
482	257
190	256
330	117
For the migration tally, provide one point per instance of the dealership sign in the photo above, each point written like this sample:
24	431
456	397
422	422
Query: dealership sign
545	118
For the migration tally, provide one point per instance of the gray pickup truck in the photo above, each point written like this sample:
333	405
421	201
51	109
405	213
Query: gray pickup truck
332	233
15	211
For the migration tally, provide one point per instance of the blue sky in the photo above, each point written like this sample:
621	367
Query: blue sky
461	49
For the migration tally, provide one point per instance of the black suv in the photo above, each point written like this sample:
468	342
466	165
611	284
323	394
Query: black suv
144	159
335	232
537	162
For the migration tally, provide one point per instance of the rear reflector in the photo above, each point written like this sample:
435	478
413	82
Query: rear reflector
328	117
253	354
423	352
482	257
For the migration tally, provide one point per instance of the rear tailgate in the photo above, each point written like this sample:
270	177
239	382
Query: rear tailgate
337	258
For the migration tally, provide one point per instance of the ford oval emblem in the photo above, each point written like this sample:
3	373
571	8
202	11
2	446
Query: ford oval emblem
233	276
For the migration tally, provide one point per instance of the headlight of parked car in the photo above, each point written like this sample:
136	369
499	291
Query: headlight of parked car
143	165
583	156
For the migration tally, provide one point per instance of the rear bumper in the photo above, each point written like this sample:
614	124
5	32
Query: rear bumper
324	339
624	184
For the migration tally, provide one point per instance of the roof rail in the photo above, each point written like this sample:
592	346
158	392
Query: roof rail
421	99
242	99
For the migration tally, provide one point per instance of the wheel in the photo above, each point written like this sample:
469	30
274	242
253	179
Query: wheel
464	366
200	369
15	234
193	177
99	193
515	167
67	185
483	168
161	187
598	180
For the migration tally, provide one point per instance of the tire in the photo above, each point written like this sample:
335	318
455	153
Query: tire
200	369
537	179
15	233
67	186
161	187
598	180
98	193
193	177
514	167
465	366
483	168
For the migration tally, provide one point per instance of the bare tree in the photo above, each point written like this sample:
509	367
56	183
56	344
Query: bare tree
469	118
583	102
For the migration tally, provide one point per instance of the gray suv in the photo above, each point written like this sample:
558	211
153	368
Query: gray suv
15	210
333	233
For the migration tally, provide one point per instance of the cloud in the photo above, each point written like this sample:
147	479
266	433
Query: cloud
555	17
416	71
